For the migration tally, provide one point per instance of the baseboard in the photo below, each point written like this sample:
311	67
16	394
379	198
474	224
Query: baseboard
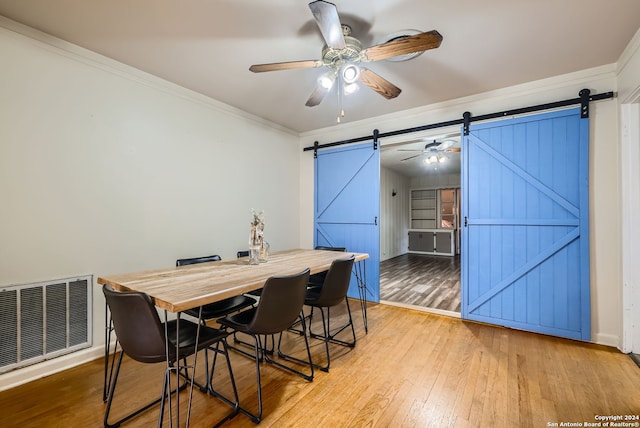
606	339
422	309
37	371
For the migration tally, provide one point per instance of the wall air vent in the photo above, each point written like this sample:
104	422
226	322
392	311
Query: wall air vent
44	320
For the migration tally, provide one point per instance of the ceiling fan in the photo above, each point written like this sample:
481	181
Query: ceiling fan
343	55
433	151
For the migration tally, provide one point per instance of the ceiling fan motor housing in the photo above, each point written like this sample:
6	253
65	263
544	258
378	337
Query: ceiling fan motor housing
350	53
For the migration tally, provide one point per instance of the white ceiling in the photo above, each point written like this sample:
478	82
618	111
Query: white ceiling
208	45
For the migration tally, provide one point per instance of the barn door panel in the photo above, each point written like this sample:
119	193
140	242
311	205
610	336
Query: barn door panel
526	237
347	206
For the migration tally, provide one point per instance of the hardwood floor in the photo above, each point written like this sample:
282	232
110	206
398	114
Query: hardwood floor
422	280
413	369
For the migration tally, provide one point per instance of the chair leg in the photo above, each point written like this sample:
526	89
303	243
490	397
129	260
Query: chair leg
329	337
111	393
309	362
308	318
108	365
242	342
185	375
108	369
256	418
234	404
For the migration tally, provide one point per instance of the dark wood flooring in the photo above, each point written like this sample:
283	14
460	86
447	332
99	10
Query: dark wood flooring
422	280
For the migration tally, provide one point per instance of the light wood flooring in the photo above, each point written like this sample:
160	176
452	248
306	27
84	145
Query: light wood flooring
412	369
422	280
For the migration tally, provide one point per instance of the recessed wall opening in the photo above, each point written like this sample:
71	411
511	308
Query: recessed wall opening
420	223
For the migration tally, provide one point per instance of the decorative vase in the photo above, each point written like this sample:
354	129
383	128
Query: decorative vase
256	239
254	255
264	252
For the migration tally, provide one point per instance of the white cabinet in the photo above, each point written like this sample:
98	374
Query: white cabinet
432	241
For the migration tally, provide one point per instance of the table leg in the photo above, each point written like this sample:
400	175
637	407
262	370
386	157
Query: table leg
195	360
177	368
360	270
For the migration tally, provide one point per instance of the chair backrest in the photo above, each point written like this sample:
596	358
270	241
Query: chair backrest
320	247
195	260
137	325
318	278
244	253
336	283
280	303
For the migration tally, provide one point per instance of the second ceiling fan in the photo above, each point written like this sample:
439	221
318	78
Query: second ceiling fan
433	151
343	55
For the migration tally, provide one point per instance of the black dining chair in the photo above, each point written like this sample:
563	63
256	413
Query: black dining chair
216	309
223	307
332	293
279	307
245	253
317	279
143	337
253	294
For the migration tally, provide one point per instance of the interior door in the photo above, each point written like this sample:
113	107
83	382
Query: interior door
525	259
347	206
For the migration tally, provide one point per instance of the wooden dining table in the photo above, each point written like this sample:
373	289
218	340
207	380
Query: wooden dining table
176	289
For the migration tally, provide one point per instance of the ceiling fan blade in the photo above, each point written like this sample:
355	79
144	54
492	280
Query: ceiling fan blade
379	84
328	21
276	66
410	157
317	96
418	43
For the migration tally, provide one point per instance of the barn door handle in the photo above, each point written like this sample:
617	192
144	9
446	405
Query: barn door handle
375	220
465	221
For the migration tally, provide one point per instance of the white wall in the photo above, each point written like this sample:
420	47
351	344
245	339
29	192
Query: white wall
394	214
604	182
105	170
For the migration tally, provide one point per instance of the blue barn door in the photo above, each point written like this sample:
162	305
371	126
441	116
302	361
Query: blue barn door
347	206
525	258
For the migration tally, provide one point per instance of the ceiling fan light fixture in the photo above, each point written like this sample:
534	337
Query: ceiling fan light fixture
442	158
326	80
431	159
351	88
350	73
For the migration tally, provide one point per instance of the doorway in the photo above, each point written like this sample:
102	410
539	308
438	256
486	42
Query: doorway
422	280
419	238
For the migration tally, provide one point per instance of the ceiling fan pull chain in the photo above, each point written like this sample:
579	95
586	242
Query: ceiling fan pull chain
340	109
